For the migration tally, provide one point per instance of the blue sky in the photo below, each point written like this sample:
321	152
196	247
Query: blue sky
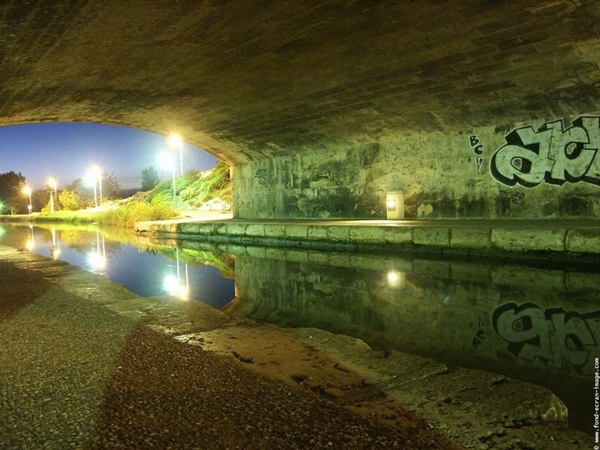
65	151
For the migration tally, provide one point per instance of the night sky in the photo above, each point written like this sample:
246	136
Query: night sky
66	151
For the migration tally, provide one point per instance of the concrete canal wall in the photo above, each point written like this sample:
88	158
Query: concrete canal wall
520	239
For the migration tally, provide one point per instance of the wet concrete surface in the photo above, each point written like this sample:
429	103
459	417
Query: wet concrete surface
86	364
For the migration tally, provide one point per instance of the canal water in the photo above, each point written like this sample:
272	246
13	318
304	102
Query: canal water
533	323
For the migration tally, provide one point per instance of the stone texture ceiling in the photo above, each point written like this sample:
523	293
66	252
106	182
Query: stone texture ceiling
251	79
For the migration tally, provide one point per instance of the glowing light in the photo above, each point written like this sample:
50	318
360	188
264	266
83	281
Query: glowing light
391	205
172	286
97	261
396	279
175	140
30	244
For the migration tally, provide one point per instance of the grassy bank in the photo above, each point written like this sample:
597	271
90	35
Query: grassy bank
209	190
123	215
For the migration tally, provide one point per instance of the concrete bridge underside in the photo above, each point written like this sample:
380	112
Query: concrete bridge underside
321	108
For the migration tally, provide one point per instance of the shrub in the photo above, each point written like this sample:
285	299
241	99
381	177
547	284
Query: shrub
127	215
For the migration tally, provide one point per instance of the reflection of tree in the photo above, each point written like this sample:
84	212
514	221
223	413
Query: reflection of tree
82	240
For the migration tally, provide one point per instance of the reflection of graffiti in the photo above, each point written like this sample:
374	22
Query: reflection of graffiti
480	333
477	148
552	154
553	336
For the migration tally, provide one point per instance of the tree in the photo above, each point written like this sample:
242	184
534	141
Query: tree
110	186
149	178
71	201
12	198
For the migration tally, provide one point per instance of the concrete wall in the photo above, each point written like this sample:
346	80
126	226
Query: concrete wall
544	169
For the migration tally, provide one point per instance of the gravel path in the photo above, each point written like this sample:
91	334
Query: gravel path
74	374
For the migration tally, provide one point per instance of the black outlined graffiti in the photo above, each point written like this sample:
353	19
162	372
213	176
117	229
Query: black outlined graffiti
477	148
480	333
552	154
553	336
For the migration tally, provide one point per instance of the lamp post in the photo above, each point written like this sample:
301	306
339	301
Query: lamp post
27	191
52	184
95	175
165	159
175	141
98	174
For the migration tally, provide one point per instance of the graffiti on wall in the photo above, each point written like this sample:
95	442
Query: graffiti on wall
552	336
480	333
477	148
552	154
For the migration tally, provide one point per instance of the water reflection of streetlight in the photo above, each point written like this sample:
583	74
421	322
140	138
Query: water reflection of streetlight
53	186
30	244
396	279
55	249
97	258
27	191
173	285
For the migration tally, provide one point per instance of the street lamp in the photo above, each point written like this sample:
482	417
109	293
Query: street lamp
27	191
52	184
95	175
166	160
98	174
175	141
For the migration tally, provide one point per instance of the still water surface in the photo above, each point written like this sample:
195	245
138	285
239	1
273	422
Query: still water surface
536	324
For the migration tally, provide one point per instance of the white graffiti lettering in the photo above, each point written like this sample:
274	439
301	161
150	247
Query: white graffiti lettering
552	154
553	336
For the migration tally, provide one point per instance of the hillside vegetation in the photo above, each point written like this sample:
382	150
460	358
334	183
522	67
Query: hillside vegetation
204	191
208	191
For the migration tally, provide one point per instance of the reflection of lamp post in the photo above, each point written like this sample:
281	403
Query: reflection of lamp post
97	259
55	249
27	191
165	159
30	242
175	141
52	184
173	285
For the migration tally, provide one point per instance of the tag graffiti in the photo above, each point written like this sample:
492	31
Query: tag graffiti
552	336
477	148
552	154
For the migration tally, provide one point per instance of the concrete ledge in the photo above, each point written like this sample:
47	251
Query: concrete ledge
438	236
274	230
583	241
296	231
196	228
397	235
470	237
317	232
519	239
486	239
257	230
338	234
366	234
